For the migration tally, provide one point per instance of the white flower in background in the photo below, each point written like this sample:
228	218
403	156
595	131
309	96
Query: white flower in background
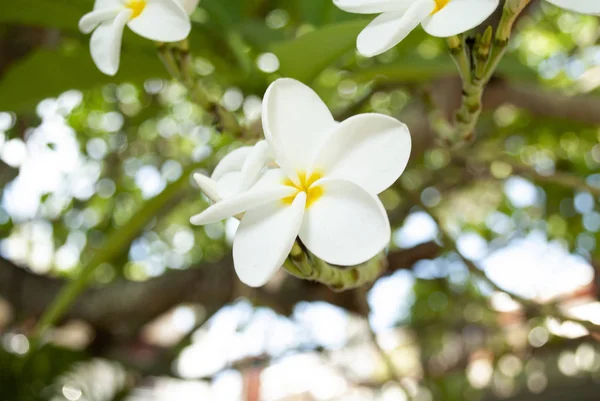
323	189
441	18
159	20
579	6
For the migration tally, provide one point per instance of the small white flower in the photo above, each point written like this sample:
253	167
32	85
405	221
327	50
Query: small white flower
441	18
159	20
236	172
579	6
323	189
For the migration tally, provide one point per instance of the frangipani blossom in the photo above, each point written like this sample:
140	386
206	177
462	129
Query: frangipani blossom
159	20
579	6
441	18
323	187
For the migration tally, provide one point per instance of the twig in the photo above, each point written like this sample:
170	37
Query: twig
178	62
562	178
392	370
551	309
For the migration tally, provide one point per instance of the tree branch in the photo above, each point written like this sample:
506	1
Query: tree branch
122	307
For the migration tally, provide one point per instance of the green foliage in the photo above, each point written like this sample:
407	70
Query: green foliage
140	119
32	378
69	67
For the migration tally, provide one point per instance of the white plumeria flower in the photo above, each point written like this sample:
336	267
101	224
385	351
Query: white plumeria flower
236	172
323	189
441	18
159	20
579	6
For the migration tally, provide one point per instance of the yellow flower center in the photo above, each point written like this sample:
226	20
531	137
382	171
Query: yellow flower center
313	193
439	4
137	6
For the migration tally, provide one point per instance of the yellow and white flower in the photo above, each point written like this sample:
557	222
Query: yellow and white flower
441	18
159	20
579	6
323	187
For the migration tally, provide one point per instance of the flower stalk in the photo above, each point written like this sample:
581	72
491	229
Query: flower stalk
460	54
486	55
306	266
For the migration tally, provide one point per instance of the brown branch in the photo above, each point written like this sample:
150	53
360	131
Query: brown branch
122	307
544	103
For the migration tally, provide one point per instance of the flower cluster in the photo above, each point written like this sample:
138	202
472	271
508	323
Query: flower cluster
441	18
168	21
312	178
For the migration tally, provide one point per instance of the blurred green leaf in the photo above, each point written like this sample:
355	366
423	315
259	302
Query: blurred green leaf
305	57
417	69
49	13
47	73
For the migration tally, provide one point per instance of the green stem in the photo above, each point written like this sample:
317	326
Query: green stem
460	55
309	267
115	245
168	60
468	114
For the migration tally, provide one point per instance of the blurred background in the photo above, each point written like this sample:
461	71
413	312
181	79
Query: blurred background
95	187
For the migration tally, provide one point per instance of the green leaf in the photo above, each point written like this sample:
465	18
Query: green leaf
321	12
47	73
49	13
305	57
416	69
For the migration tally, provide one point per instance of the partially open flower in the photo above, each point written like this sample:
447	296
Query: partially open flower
159	20
579	6
236	172
323	187
442	18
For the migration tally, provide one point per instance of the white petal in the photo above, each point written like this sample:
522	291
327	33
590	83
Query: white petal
269	188
208	186
372	6
233	161
459	16
100	4
229	185
264	239
253	165
163	21
105	44
295	121
189	5
580	6
346	225
90	21
371	150
389	29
